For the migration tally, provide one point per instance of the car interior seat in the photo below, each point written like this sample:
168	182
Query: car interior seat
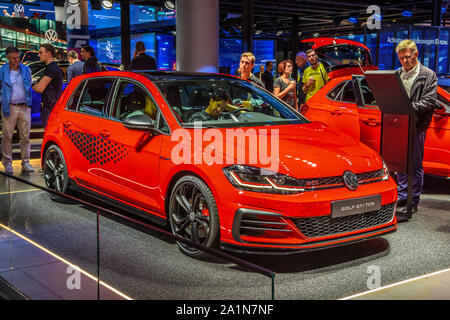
198	101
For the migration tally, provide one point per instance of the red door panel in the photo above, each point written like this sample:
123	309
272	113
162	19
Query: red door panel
129	164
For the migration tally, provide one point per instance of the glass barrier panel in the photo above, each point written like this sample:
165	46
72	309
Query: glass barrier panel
54	251
6	237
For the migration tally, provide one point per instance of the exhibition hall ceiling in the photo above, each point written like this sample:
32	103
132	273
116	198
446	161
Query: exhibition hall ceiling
318	16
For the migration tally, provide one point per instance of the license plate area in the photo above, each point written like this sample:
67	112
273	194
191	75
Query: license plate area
349	207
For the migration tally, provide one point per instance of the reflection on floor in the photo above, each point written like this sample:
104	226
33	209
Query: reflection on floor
41	275
429	287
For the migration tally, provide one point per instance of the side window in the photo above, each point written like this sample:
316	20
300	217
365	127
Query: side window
73	101
335	93
367	93
348	95
161	124
95	95
132	99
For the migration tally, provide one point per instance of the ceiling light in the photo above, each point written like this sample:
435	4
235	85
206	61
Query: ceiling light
107	4
407	13
279	33
259	31
315	35
169	5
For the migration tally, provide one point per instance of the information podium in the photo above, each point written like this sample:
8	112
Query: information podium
398	124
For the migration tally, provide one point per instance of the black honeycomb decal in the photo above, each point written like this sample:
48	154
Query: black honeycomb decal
97	149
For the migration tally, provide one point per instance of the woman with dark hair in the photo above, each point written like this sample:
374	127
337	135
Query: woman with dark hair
90	60
284	86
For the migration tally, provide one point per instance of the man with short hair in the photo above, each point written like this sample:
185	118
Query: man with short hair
50	86
315	76
267	77
15	82
76	66
141	60
246	65
300	61
421	86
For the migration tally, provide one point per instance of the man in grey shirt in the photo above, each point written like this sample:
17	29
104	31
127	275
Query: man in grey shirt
76	66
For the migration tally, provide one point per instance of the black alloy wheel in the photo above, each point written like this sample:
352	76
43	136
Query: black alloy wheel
194	216
55	172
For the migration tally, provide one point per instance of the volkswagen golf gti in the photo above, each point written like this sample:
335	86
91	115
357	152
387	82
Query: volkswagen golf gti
220	160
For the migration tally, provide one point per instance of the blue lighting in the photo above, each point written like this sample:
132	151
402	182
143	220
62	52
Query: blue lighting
353	20
378	17
443	10
407	13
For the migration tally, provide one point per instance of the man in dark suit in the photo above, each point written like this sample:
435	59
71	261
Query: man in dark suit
421	86
141	61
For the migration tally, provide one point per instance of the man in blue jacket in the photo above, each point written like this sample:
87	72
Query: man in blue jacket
15	83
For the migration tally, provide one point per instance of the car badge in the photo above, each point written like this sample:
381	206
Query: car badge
350	180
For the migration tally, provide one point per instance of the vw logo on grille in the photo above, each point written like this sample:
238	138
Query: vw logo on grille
350	180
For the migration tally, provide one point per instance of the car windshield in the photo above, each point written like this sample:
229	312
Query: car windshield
219	101
344	54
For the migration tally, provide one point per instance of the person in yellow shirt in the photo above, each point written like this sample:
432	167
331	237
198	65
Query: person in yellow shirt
315	76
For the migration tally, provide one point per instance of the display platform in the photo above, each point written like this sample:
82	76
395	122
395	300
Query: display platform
143	264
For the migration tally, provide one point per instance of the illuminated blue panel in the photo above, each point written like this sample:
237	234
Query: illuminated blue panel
230	51
166	51
109	50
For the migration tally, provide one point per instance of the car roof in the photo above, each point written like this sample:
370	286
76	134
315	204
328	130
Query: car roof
181	75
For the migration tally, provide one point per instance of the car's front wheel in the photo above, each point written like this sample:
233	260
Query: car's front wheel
193	215
55	172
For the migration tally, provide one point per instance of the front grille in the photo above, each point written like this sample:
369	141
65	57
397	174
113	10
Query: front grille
325	225
338	181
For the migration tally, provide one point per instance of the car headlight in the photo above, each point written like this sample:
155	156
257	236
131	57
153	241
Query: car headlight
385	172
255	179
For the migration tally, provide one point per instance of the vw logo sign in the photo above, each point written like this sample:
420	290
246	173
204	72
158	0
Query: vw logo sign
19	8
350	180
51	35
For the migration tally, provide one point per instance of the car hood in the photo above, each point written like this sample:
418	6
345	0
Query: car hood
301	151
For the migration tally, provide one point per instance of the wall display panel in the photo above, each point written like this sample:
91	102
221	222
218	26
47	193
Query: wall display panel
165	50
230	51
109	50
444	35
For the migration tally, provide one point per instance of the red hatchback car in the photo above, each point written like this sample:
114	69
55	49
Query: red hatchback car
134	140
347	104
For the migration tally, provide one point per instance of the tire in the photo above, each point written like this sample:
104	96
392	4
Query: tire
55	173
193	215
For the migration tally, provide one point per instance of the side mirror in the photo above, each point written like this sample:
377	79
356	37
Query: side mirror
140	122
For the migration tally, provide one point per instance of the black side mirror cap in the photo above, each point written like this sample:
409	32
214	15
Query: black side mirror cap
139	122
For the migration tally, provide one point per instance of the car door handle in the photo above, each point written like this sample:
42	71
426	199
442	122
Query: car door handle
336	112
371	122
105	133
67	124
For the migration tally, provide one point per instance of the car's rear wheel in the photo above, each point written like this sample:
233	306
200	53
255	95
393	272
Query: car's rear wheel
194	216
55	172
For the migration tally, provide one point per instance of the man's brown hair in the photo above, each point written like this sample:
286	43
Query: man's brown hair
48	48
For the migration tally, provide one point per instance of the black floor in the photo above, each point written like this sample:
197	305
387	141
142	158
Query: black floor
145	265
